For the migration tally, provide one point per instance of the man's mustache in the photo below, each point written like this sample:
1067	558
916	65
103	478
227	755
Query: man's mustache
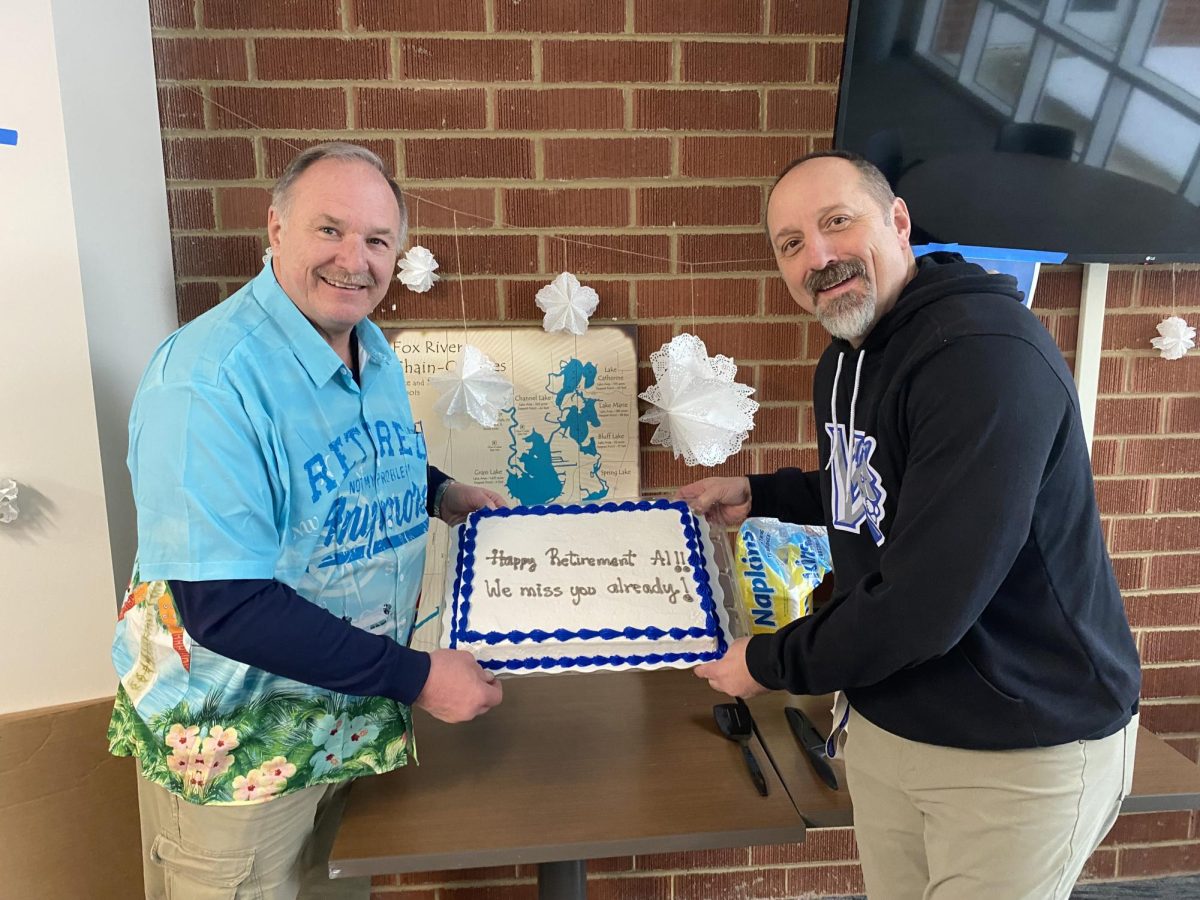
363	279
834	273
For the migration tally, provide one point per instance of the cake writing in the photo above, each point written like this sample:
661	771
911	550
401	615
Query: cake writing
673	592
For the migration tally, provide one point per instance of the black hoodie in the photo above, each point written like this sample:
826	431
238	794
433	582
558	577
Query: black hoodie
974	603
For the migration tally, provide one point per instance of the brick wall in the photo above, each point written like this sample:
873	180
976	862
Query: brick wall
631	142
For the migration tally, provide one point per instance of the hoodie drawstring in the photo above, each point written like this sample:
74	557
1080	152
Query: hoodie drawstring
833	406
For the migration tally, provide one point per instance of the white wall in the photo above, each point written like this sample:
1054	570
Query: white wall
78	251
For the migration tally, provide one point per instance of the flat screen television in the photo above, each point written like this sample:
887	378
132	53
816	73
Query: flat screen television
1056	125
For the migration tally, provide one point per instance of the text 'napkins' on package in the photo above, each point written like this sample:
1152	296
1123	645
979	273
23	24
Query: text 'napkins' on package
779	566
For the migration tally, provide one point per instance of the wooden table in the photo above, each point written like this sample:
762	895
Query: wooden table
1163	778
570	767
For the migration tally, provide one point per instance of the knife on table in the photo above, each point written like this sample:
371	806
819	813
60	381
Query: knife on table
812	744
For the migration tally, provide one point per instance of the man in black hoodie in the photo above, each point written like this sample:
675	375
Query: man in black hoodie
976	629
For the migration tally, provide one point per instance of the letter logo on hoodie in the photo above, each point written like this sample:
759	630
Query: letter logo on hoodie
858	492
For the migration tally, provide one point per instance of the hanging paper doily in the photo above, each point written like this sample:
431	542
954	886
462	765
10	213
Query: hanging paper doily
567	304
1176	338
702	414
416	270
473	392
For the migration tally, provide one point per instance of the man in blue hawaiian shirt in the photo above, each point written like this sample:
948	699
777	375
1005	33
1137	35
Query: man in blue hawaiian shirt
283	497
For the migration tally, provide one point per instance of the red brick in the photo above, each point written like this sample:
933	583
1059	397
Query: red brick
649	339
190	209
243	207
1168	533
284	15
784	383
804	458
1173	859
661	470
520	303
575	158
1177	495
1171	681
1169	288
759	883
218	255
1183	415
293	108
810	881
1156	610
697	16
705	205
606	61
696	110
561	16
1122	284
746	341
1112	375
819	845
192	298
278	153
183	59
801	110
1171	717
695	859
531	208
484	254
1128	415
1124	495
208	159
468	158
408	109
322	59
1106	457
441	207
455	59
1058	287
180	107
683	298
1130	572
1101	865
817	340
1188	747
419	15
827	64
566	108
1174	456
809	16
1155	375
1129	331
491	892
651	887
726	252
778	300
776	425
1177	570
608	253
172	13
744	62
442	303
738	157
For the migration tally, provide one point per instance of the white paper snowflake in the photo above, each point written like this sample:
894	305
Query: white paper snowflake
567	304
416	270
473	392
1177	338
702	414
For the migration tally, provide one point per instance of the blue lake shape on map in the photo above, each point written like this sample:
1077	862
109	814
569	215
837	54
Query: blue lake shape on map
538	473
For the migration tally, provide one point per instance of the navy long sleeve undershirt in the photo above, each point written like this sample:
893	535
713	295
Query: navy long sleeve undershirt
306	643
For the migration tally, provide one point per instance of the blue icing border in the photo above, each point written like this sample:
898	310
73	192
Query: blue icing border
464	576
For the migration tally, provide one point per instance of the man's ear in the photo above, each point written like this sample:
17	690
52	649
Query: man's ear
901	220
274	226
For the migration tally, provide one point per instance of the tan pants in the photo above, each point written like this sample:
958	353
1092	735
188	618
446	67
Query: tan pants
276	850
939	823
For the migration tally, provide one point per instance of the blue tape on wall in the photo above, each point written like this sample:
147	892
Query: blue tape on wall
8	136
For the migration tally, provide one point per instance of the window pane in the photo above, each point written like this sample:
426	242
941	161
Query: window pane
953	29
1104	21
1174	53
1005	57
1071	94
1154	142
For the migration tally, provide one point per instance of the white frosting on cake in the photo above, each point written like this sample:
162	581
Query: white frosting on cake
516	575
